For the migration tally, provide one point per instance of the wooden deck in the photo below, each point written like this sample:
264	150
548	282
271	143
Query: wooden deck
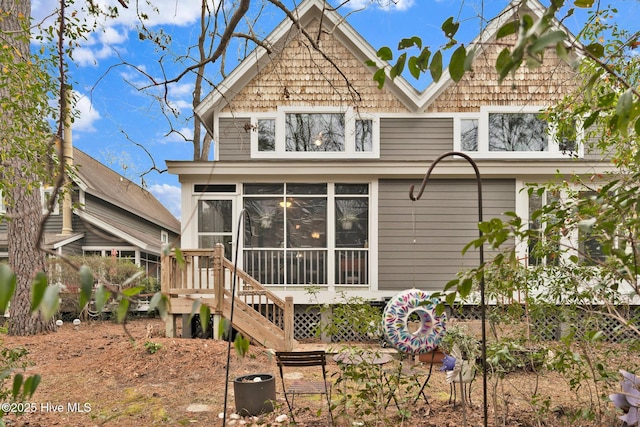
205	275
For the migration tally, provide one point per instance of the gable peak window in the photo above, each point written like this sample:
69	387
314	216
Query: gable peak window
318	132
513	132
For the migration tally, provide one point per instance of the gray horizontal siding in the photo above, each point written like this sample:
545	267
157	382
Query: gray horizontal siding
234	142
420	242
101	208
415	138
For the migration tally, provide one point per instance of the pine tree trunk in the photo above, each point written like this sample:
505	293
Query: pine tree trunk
24	208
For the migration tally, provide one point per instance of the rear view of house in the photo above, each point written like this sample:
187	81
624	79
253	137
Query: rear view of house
321	161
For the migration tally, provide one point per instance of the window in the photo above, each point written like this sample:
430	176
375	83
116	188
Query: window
295	230
215	224
317	133
45	194
543	250
512	132
590	246
164	237
314	132
517	132
469	134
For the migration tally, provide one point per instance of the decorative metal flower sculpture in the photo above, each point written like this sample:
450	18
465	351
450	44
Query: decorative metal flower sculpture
629	400
448	363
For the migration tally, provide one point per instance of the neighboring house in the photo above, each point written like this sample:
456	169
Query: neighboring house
111	216
323	167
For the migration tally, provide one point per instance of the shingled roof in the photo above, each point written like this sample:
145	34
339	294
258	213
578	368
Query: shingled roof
102	182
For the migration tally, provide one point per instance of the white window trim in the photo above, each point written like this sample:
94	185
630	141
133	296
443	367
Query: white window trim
43	197
350	151
483	136
570	240
106	251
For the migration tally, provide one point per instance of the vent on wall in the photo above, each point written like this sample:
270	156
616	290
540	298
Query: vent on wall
214	188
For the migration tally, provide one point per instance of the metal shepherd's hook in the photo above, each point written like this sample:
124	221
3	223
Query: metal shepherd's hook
243	213
482	301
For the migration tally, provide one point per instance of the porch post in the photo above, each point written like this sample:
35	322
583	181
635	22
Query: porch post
218	286
166	264
288	323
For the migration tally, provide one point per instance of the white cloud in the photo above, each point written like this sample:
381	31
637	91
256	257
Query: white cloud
169	196
88	115
113	33
387	5
174	137
182	89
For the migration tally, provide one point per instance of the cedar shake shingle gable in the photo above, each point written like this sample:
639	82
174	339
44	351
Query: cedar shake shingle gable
299	75
294	74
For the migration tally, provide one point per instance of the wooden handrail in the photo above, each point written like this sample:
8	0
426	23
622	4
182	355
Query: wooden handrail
207	271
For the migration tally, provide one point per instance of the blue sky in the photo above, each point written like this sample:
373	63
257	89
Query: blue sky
114	116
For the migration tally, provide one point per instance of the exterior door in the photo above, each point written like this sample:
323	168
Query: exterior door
215	224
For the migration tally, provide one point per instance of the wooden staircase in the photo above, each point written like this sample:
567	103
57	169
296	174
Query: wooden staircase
205	275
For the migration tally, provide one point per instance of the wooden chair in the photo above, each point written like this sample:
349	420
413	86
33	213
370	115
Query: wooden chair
291	388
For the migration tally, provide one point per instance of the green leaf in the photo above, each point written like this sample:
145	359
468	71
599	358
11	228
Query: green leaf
205	314
456	65
586	225
130	292
123	309
412	65
450	298
180	258
595	49
549	39
584	3
101	297
507	29
37	290
379	76
436	66
385	53
450	28
160	302
31	385
468	60
451	284
591	119
50	302
397	69
464	288
222	327
623	110
132	278
17	385
407	43
86	285
241	344
195	308
7	286
504	64
423	59
562	52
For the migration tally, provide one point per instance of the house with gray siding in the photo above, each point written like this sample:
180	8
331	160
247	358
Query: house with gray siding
109	216
321	160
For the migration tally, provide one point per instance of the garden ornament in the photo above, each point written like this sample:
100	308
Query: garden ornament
629	400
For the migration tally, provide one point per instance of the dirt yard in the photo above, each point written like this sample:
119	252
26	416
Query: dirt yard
94	375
